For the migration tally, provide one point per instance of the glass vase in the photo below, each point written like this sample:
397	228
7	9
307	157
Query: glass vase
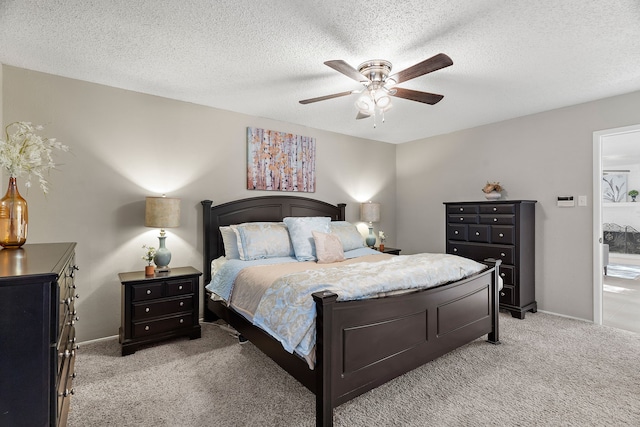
14	218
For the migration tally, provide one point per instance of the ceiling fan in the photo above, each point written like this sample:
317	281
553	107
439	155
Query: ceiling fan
379	84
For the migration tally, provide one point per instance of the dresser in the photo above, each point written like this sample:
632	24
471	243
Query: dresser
158	307
37	334
505	230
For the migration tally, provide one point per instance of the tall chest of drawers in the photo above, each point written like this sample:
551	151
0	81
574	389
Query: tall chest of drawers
37	334
505	230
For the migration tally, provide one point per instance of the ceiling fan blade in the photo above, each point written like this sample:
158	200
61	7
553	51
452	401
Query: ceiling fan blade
434	63
322	98
346	69
362	116
415	95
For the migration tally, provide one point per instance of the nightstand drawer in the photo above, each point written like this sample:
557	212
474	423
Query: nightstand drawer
154	327
179	287
161	308
147	291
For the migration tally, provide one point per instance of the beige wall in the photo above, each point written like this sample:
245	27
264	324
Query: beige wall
536	157
127	145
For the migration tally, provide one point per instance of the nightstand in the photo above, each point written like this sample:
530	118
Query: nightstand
388	250
158	307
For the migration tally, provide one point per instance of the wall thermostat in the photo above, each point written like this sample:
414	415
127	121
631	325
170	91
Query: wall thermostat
566	202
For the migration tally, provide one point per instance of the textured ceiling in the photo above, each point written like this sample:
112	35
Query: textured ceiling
511	57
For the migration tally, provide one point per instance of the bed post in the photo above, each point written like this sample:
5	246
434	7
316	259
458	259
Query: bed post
206	221
494	336
342	207
324	318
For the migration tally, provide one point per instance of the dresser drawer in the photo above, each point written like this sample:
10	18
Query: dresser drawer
479	233
497	219
147	291
506	295
154	327
66	347
462	209
457	232
480	252
179	287
507	273
498	209
162	308
503	234
463	219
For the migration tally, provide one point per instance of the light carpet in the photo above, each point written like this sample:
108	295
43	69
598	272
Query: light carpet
549	370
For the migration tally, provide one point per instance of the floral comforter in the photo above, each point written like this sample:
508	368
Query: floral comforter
287	311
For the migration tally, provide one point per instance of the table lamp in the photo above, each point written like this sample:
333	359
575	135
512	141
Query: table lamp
162	212
370	212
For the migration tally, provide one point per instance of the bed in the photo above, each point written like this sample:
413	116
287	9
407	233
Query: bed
360	344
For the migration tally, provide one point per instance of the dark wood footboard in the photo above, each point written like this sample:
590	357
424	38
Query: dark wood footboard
363	344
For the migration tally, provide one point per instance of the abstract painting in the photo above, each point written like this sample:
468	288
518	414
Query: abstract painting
280	161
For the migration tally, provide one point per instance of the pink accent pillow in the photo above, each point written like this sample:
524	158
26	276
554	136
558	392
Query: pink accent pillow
328	247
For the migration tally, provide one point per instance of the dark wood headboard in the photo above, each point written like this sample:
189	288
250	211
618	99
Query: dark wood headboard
254	209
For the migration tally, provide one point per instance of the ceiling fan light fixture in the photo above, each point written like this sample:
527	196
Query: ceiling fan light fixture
382	100
365	104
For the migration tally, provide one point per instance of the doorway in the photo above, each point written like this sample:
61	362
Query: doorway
616	227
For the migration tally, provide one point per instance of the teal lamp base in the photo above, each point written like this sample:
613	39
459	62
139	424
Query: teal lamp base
162	257
371	238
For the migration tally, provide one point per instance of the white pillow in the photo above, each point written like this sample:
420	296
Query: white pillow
300	229
230	242
348	234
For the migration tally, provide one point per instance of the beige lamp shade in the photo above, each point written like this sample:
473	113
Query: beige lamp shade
162	212
370	212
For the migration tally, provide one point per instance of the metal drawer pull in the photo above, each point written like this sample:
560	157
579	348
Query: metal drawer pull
180	287
501	235
461	219
67	392
456	232
148	291
461	209
146	328
495	219
477	233
502	254
146	310
495	209
502	294
181	303
502	274
455	249
181	320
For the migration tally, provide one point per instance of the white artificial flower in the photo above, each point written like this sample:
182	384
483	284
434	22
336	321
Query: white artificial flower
23	152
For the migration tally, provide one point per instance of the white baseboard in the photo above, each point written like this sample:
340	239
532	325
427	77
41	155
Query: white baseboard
564	315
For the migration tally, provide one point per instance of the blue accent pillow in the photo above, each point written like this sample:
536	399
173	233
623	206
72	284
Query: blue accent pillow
300	230
258	240
348	234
